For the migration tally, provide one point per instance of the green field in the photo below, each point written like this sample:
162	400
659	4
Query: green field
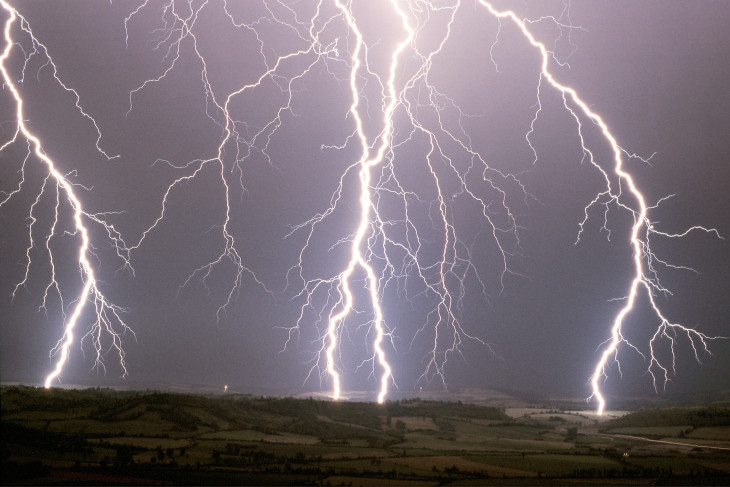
100	436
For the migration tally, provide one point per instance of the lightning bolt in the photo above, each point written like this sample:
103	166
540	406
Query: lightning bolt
108	321
645	274
407	240
367	163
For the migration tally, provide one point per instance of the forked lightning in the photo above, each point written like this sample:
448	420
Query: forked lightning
390	248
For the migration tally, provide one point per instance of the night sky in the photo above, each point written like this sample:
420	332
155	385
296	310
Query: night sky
656	71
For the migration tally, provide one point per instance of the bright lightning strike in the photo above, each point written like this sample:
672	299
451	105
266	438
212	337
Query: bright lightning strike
367	162
412	169
645	276
107	319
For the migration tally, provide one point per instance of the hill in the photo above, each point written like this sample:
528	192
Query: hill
101	436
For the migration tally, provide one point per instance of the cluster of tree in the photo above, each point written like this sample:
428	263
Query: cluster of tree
19	471
672	417
19	435
237	456
23	398
628	471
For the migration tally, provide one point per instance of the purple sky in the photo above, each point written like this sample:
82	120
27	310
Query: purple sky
656	71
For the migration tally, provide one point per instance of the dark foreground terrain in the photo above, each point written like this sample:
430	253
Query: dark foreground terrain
93	436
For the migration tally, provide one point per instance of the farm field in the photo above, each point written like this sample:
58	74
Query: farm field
99	436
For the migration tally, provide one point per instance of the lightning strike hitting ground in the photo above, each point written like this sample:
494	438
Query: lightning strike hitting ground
645	276
106	315
410	170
